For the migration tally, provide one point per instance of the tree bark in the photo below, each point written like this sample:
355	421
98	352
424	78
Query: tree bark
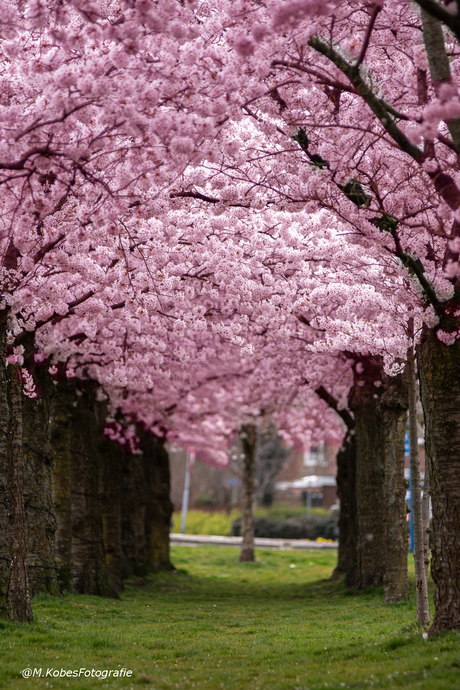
14	571
370	476
159	507
133	504
63	397
109	456
393	415
6	611
439	373
347	562
379	408
129	502
89	566
248	437
38	501
17	535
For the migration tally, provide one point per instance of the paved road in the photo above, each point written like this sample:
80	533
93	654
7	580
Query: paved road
260	543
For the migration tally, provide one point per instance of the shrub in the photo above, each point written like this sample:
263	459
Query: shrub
201	522
313	527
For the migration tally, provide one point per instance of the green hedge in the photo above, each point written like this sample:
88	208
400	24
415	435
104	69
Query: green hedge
313	527
202	522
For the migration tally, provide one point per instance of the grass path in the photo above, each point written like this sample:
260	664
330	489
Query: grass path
218	624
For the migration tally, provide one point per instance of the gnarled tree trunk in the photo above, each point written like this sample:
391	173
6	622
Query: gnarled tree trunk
439	372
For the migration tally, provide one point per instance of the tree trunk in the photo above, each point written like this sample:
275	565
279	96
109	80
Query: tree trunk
38	501
109	456
133	505
248	437
439	372
63	397
370	476
129	502
159	508
17	535
14	572
347	562
393	415
88	557
379	405
6	611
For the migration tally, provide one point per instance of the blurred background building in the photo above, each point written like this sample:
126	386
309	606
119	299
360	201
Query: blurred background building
284	476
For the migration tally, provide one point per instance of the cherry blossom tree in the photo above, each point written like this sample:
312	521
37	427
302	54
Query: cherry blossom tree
196	204
355	107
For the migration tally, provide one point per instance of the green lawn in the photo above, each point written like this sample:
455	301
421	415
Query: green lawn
218	624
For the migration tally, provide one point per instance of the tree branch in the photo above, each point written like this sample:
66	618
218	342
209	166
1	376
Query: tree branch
194	195
438	12
375	104
47	248
438	62
55	317
64	115
333	403
19	165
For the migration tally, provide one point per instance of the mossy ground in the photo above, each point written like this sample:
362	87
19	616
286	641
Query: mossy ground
219	624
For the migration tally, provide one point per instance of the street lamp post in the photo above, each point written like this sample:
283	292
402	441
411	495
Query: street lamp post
186	494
